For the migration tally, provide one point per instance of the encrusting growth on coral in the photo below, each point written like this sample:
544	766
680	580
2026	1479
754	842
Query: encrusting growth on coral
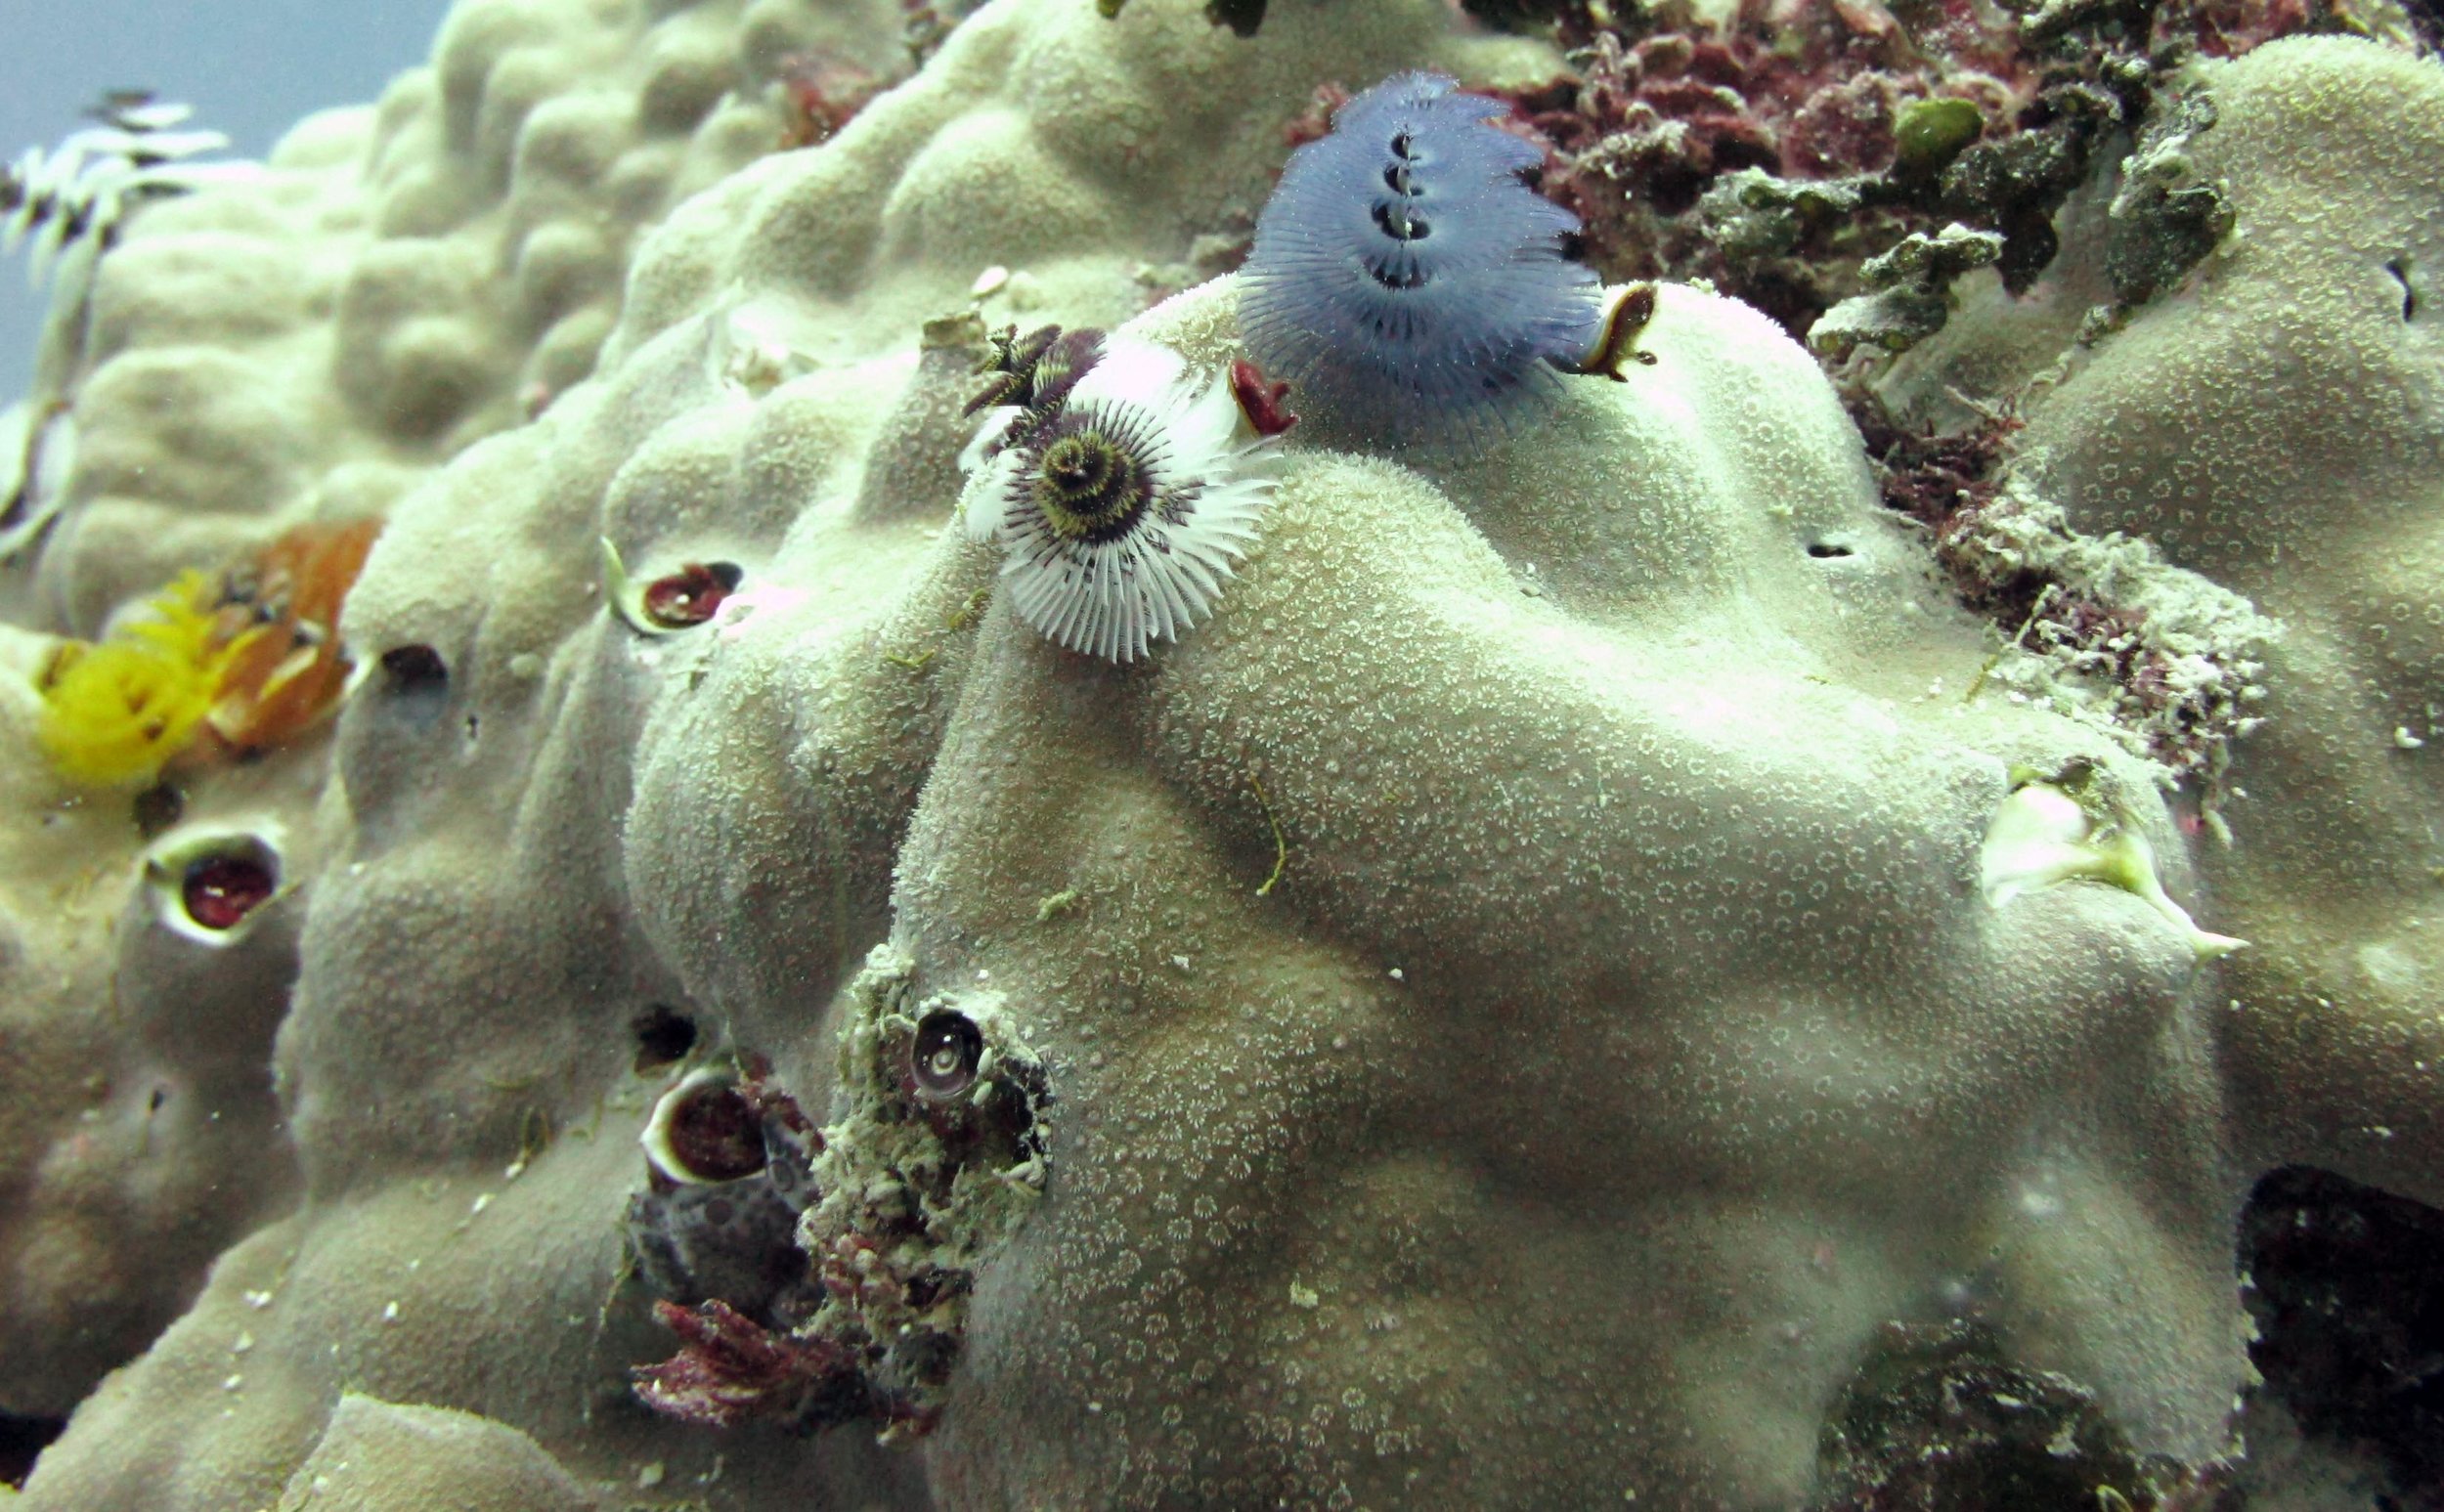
820	1278
1777	151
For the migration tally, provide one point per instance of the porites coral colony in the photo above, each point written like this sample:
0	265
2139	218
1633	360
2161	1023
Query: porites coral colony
1407	282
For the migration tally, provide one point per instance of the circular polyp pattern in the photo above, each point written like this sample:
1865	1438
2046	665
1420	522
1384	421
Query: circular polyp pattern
945	1054
704	1131
212	886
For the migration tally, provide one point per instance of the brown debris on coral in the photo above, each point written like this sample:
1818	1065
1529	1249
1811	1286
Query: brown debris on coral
2185	690
1933	1421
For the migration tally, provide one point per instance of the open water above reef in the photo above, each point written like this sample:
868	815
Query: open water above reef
250	68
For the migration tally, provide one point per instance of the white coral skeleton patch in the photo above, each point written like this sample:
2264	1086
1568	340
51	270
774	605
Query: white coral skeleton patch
1123	509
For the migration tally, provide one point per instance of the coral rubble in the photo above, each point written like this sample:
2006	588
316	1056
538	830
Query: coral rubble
1744	944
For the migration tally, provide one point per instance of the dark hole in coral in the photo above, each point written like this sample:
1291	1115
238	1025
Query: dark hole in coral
2029	247
945	1055
415	669
716	1135
22	1441
1243	17
158	807
161	1096
663	1035
2347	1292
471	728
1826	548
1672	188
1404	145
1396	178
2399	267
218	892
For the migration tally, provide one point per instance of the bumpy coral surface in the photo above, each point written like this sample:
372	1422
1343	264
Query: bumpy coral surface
1592	978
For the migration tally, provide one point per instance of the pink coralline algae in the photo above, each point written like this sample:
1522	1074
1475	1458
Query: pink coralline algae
732	1369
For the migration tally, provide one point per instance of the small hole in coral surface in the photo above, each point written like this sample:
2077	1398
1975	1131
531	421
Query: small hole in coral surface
415	669
22	1441
1826	548
1404	145
2399	267
157	808
219	891
663	1035
160	1095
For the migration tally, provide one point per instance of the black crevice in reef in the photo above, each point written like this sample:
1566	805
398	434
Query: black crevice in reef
2348	1290
22	1441
2345	1285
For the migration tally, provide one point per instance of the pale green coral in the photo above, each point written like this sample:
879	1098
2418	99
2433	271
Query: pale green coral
1540	989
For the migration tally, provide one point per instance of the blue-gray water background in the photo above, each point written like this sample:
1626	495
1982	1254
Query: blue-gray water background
250	68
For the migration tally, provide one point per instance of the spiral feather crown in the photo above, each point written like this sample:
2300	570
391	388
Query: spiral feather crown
1406	281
